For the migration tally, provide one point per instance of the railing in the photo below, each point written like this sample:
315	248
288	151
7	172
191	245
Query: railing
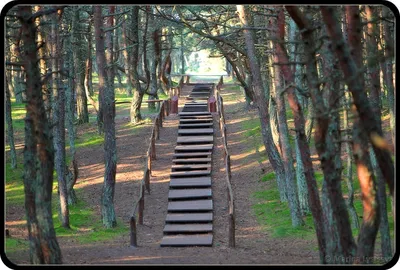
145	182
227	160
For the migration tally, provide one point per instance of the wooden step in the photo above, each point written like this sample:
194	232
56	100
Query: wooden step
198	147
196	131
187	228
190	182
207	117
195	139
192	155
190	126
194	113
188	217
196	104
188	167
195	193
190	206
191	160
195	120
190	173
187	240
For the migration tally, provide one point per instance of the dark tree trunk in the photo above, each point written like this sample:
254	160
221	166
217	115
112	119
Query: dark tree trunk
106	76
327	142
368	120
10	129
101	63
58	108
38	154
139	91
261	100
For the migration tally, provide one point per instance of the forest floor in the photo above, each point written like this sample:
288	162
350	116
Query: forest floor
254	245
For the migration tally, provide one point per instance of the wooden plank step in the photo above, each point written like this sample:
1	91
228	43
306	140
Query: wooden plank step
194	113
196	131
190	182
187	228
191	167
190	173
192	155
198	125
191	160
195	105
188	217
190	206
187	240
195	139
195	193
196	117
195	121
198	147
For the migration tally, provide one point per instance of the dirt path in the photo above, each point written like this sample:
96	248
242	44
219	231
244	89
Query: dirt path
253	245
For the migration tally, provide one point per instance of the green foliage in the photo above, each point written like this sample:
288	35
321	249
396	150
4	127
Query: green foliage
15	244
268	177
86	225
14	185
275	217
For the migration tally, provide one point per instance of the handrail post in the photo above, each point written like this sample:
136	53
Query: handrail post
133	232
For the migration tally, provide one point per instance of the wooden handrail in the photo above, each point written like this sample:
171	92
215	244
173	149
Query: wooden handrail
227	159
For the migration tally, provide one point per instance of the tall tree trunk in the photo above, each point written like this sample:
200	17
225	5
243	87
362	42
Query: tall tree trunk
106	76
38	154
10	129
388	72
302	190
153	59
72	171
89	63
261	96
139	91
367	119
287	157
327	141
101	63
127	60
58	108
349	167
384	229
80	68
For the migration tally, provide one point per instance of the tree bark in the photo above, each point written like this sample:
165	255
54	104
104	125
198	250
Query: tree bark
10	129
38	154
261	96
104	60
58	108
367	119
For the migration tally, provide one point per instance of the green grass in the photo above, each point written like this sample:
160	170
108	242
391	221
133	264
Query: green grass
268	177
86	226
275	218
89	139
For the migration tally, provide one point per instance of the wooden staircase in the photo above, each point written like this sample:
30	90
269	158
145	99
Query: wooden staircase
190	206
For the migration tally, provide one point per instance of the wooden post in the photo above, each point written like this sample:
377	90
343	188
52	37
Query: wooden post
231	230
157	128
149	161
168	102
147	179
153	146
133	238
228	165
141	204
